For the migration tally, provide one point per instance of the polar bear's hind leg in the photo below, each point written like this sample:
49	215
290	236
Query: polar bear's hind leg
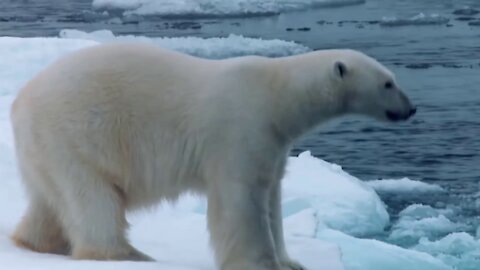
92	212
96	222
40	230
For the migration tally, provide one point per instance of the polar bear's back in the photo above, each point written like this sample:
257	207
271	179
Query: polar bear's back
116	78
114	67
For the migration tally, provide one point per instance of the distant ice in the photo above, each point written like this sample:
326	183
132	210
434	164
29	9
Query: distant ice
221	8
466	11
216	48
420	19
403	185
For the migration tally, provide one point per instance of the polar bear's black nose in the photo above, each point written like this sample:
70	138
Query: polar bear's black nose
395	116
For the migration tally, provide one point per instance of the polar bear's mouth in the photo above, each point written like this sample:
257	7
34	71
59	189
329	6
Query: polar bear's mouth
395	117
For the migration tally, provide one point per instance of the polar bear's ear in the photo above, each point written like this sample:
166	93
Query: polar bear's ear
340	69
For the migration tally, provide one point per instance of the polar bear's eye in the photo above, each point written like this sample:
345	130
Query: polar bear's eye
389	85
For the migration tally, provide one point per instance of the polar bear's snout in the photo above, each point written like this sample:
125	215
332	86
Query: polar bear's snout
406	112
395	117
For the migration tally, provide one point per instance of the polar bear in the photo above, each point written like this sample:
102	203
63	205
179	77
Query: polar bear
118	127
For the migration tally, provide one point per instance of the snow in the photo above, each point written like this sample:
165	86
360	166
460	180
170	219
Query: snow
215	7
403	185
230	46
324	207
177	239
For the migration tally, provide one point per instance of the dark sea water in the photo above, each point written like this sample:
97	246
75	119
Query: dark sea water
437	65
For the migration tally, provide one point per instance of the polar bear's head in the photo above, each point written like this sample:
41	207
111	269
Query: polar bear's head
369	87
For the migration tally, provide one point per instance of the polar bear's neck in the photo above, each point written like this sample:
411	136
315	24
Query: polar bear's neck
305	94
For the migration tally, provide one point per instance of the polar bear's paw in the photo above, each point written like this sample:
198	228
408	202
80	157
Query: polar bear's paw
127	253
265	265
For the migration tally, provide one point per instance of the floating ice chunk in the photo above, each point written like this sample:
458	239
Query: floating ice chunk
419	211
115	20
221	47
420	19
417	221
407	231
340	200
403	185
204	8
99	35
119	4
460	250
466	11
453	244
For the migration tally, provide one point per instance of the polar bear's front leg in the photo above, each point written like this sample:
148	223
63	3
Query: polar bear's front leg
277	228
239	226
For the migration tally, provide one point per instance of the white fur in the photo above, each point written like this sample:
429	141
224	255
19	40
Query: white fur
118	127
